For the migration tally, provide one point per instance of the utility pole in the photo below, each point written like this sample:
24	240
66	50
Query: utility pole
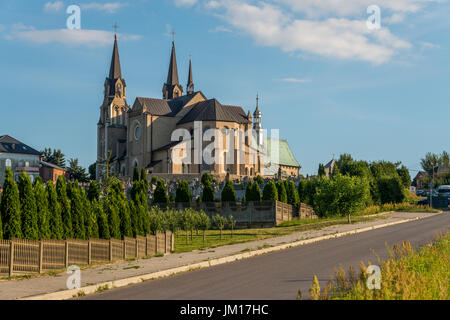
431	187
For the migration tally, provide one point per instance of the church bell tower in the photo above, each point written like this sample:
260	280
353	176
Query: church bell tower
112	126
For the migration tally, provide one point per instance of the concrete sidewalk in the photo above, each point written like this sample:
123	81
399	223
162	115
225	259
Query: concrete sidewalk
16	289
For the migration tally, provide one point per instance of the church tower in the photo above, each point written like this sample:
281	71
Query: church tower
112	126
172	88
190	84
257	124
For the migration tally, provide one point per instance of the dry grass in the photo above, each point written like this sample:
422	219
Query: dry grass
405	275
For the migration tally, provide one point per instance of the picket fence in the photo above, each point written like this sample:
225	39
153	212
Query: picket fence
18	256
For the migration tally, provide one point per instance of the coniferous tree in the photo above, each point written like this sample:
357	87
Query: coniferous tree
102	220
292	194
93	191
77	212
56	227
270	192
61	191
208	192
10	208
228	192
183	193
136	174
135	218
123	210
160	196
282	195
255	192
248	191
28	208
42	210
112	213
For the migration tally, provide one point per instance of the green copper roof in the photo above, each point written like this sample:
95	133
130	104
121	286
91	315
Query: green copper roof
286	156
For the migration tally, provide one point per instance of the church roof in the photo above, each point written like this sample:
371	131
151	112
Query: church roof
163	107
286	157
213	110
10	145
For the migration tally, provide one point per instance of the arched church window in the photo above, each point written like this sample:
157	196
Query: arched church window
137	132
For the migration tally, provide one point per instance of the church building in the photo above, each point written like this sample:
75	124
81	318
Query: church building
141	135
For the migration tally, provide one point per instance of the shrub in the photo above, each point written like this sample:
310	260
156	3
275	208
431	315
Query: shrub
390	190
160	196
282	195
220	223
228	192
270	192
183	193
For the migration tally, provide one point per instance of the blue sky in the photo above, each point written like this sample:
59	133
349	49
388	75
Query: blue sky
325	80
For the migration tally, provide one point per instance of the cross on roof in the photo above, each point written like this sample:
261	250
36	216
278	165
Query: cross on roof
173	33
115	26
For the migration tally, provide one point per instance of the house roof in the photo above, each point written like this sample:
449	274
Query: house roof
10	145
51	165
213	110
330	164
286	157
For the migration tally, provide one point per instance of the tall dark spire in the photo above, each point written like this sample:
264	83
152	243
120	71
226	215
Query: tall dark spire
172	77
190	84
172	88
115	72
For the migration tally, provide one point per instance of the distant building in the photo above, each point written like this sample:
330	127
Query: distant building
18	157
51	172
422	178
329	167
287	165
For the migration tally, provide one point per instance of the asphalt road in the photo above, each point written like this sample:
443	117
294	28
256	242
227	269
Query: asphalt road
279	275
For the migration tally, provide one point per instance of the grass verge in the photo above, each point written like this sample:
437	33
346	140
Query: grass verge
406	275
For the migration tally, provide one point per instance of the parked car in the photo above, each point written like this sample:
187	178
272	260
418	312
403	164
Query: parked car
421	193
444	191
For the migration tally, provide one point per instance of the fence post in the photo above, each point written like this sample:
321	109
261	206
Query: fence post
66	260
41	254
124	249
146	246
11	257
137	249
172	237
165	241
89	251
110	250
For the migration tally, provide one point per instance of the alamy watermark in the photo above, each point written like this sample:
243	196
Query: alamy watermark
374	279
74	280
74	20
374	20
224	146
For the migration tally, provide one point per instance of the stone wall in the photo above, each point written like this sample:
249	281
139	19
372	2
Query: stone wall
252	214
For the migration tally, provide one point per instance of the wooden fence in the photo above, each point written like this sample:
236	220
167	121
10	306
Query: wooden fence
20	256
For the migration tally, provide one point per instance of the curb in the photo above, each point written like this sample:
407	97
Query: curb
68	294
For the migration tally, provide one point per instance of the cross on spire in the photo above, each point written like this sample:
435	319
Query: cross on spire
173	33
257	100
115	27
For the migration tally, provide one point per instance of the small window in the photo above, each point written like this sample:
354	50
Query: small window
8	163
27	164
137	132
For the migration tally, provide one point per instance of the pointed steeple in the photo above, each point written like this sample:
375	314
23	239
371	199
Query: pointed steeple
115	71
172	88
190	84
172	77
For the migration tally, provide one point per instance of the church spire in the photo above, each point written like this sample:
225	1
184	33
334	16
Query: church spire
172	77
190	84
115	71
172	88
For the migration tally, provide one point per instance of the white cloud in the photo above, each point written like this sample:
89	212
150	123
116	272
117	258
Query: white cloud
185	3
110	7
346	8
270	25
428	45
53	6
84	37
295	80
220	29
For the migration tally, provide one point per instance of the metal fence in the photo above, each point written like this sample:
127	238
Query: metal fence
18	256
